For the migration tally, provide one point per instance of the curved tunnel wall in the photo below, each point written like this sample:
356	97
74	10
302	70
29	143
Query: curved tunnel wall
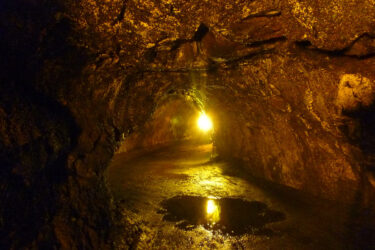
174	119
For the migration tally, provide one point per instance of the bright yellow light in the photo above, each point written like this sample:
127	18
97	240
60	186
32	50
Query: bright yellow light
204	122
211	206
213	211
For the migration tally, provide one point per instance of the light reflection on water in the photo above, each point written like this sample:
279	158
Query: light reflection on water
225	215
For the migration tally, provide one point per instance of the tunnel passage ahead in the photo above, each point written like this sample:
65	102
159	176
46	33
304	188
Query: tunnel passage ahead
167	191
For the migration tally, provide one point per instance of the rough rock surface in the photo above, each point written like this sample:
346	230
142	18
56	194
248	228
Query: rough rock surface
290	83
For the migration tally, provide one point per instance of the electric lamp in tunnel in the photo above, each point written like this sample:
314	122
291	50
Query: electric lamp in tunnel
212	211
204	122
211	207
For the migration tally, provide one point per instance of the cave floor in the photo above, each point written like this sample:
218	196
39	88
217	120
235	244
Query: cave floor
167	192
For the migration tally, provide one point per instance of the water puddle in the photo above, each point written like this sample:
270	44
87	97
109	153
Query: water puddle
226	215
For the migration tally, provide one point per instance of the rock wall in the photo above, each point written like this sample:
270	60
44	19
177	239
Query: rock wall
293	127
289	83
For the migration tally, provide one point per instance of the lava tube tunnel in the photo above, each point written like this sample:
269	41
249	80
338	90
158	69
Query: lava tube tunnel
212	124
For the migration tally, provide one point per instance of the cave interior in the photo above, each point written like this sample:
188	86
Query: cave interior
100	103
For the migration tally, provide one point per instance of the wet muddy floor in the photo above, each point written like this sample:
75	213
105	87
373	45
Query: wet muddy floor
182	199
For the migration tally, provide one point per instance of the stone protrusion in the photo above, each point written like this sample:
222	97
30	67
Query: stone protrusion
355	92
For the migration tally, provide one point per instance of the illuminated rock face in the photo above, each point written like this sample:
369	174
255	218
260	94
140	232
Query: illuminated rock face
355	92
293	124
290	83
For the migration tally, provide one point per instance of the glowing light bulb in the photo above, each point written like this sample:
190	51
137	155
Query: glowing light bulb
204	122
211	207
212	211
